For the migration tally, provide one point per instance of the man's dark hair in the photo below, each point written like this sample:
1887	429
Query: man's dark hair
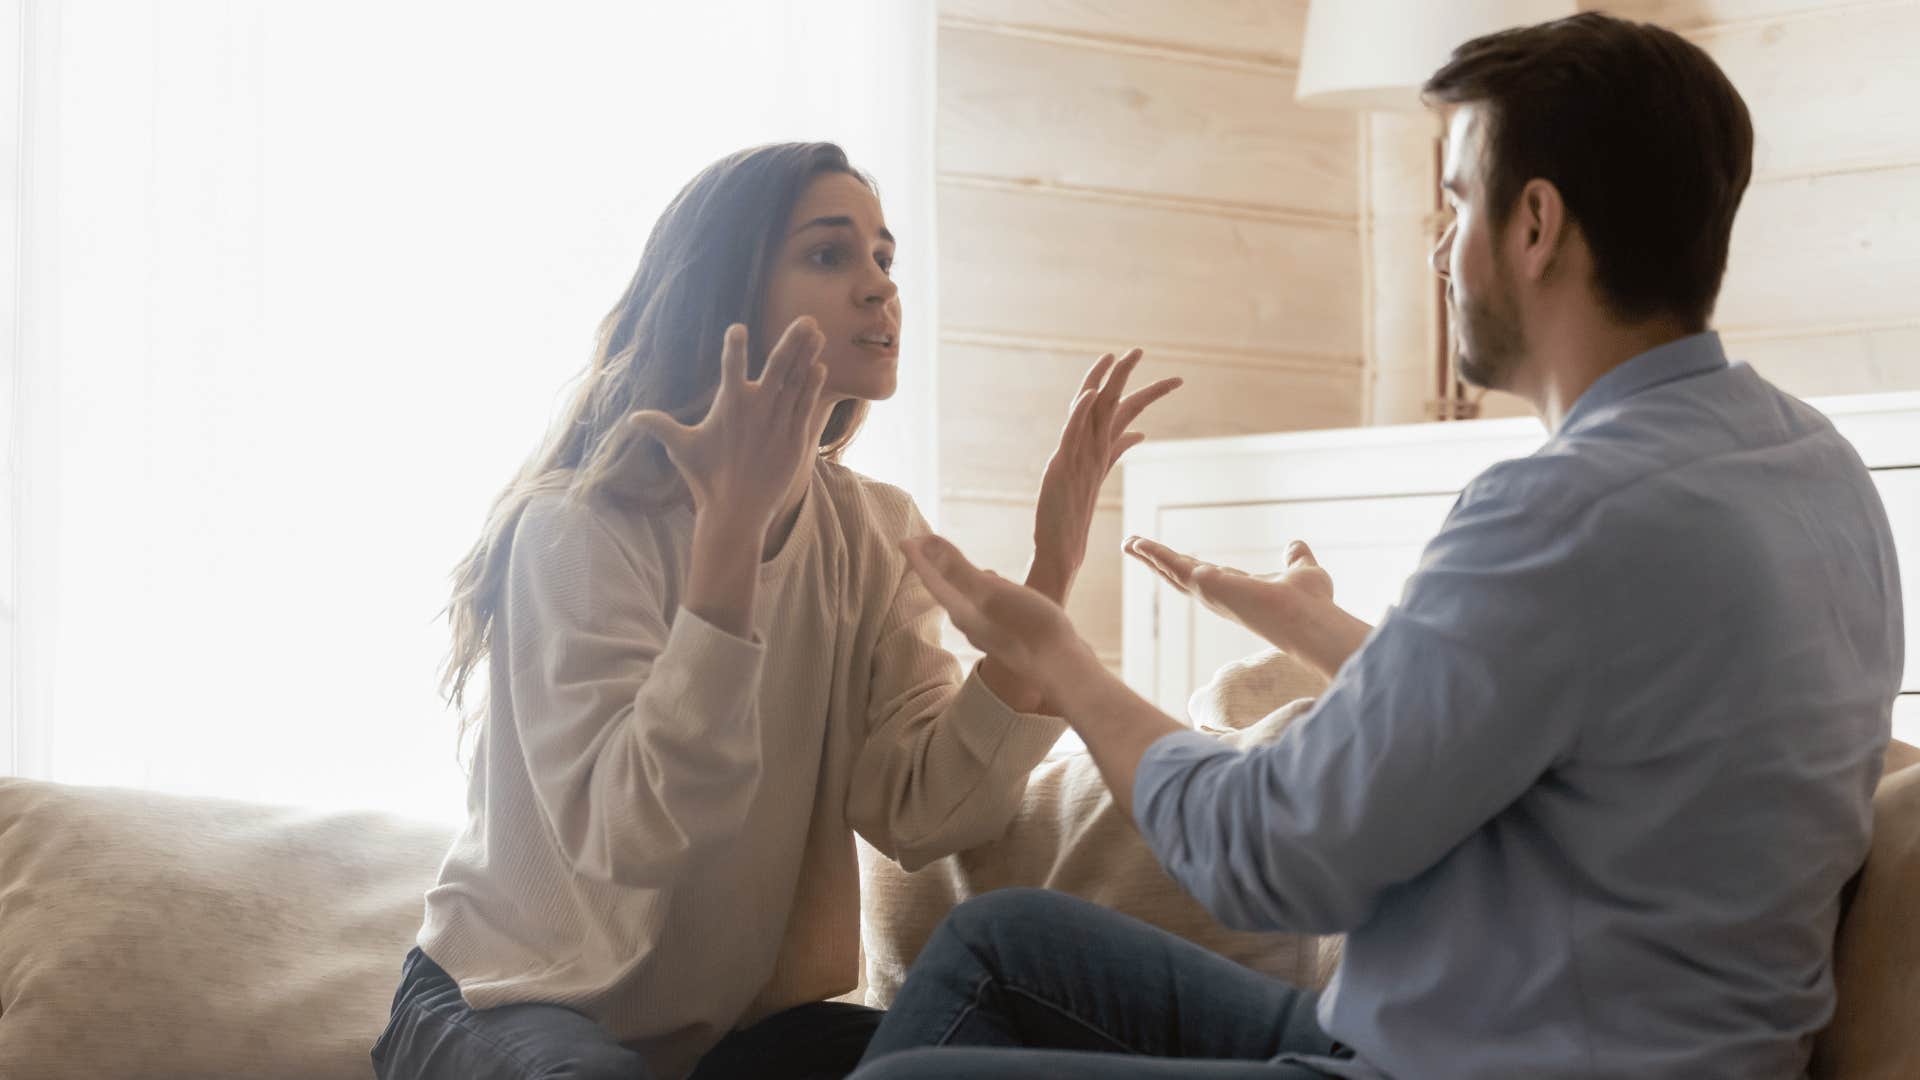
1648	143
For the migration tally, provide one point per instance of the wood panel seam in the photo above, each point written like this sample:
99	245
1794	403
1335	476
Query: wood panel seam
1292	359
1734	335
1186	204
1851	167
1261	63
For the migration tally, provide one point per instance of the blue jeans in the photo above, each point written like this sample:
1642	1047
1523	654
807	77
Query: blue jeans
434	1035
1030	983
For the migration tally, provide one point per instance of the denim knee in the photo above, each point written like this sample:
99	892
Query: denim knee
1000	912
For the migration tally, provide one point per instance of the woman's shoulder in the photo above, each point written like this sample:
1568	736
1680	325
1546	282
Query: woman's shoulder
561	529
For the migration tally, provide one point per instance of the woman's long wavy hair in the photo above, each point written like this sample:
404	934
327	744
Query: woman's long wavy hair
704	268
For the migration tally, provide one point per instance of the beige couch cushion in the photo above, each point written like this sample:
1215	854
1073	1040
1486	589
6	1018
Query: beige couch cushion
158	936
1874	1035
1070	836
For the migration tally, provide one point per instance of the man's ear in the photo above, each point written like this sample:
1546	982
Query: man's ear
1541	224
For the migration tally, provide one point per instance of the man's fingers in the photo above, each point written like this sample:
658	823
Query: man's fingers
1127	442
1158	571
1179	565
1145	550
1298	553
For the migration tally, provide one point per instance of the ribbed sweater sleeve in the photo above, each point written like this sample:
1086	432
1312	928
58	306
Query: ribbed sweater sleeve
640	733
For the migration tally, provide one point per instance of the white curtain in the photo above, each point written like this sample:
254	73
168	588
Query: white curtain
299	286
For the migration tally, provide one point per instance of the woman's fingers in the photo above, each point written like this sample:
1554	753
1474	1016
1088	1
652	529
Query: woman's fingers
1127	442
808	394
1116	381
733	358
799	345
659	425
948	576
1097	374
1137	402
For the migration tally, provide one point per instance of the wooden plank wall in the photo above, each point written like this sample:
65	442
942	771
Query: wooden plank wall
1822	293
1122	172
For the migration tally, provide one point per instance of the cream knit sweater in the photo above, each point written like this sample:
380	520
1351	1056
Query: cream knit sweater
661	815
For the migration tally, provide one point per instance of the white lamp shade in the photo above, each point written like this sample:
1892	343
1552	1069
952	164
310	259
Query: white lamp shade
1376	54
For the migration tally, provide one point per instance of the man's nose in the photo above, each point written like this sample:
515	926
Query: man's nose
1442	249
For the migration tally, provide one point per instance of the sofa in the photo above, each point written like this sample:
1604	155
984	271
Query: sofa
160	936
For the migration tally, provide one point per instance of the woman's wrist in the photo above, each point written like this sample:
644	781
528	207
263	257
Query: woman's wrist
723	572
1051	577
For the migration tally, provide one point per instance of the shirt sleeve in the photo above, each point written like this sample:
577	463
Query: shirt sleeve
1458	702
642	740
944	762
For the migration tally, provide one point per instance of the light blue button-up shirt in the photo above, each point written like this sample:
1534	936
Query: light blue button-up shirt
1586	799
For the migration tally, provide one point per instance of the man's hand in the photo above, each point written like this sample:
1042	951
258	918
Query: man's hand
1293	609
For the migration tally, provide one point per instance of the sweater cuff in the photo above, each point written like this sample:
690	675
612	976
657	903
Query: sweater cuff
710	676
1026	737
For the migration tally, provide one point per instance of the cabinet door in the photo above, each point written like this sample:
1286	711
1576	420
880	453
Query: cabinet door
1369	546
1900	490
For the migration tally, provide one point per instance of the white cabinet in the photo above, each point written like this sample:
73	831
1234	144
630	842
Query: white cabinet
1367	500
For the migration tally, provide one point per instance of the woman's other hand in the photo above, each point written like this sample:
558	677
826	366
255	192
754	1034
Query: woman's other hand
1095	436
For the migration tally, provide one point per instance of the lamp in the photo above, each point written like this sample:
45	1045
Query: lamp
1374	55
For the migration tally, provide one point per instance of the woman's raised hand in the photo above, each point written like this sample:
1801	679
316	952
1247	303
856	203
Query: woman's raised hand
1095	435
740	459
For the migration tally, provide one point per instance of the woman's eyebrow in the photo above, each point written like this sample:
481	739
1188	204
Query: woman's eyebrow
840	222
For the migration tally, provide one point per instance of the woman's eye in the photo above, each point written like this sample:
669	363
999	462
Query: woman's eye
886	264
827	256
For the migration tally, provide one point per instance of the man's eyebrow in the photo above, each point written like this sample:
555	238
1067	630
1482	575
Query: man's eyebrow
840	222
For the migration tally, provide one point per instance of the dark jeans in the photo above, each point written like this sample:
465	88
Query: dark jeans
434	1035
1030	983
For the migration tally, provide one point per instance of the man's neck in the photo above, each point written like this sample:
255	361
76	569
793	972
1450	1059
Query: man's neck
1568	359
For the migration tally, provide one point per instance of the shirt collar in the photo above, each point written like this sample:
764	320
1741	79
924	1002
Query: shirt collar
1695	354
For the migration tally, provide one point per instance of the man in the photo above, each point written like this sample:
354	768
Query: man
1585	800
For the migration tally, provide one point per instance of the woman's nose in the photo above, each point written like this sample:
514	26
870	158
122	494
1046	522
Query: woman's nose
878	291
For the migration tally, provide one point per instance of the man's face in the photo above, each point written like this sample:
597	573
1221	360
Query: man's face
1482	302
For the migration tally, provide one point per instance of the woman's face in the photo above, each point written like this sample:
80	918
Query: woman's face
834	263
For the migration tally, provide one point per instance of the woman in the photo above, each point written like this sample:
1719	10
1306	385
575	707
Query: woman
708	666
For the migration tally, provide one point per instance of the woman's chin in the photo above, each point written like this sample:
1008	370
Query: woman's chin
871	385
